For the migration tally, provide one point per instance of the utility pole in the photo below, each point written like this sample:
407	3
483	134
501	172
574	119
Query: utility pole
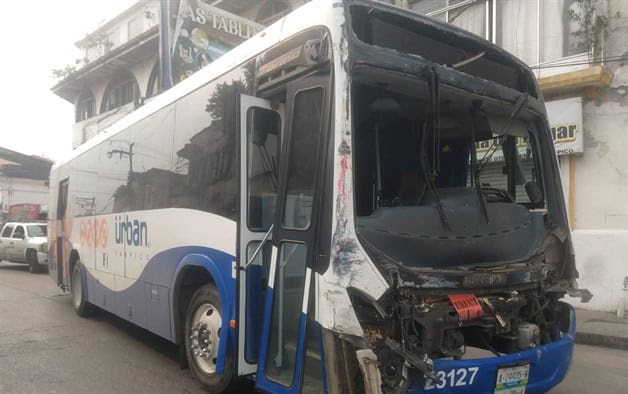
165	46
122	152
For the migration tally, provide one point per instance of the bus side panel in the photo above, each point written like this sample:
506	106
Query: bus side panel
157	309
131	305
147	303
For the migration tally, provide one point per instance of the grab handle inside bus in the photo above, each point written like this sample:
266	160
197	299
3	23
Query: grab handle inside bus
259	247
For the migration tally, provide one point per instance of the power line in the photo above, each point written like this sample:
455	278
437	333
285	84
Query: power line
582	62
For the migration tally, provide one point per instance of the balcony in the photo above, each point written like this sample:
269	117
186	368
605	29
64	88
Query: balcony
86	129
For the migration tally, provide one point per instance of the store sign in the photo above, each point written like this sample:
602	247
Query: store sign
203	33
565	119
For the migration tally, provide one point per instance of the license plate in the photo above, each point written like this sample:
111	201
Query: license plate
512	380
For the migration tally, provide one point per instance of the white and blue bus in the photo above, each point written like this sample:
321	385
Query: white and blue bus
358	198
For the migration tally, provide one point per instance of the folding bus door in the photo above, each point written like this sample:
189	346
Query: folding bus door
283	350
260	134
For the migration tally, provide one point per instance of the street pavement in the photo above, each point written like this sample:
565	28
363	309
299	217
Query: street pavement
46	348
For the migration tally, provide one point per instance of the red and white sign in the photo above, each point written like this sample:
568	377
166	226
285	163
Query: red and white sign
467	306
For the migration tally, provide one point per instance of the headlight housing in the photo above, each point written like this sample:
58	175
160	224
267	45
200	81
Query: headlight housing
43	248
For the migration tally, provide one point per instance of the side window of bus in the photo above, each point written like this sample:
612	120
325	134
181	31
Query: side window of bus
86	187
152	179
204	151
304	140
263	134
115	169
135	166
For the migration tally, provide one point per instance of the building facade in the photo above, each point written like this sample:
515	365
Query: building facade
23	182
119	64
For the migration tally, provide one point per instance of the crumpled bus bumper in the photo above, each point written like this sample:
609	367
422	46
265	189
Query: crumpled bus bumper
548	366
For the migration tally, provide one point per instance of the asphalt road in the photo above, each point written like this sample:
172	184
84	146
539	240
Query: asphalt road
46	348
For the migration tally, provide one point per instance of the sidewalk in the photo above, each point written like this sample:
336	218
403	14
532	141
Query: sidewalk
601	329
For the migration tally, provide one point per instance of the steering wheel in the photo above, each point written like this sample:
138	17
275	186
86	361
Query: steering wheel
494	194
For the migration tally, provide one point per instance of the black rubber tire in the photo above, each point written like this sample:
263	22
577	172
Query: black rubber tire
82	307
213	382
33	265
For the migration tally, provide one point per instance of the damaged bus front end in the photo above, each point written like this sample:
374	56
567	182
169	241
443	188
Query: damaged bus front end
446	182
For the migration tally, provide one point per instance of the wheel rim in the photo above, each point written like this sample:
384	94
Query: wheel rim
204	337
77	288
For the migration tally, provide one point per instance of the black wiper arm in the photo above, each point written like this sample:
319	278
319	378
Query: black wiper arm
433	81
430	182
474	172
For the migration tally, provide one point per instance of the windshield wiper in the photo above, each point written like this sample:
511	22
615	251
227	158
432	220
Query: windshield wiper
429	173
474	173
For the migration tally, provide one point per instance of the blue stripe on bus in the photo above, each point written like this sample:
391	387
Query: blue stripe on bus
151	295
262	381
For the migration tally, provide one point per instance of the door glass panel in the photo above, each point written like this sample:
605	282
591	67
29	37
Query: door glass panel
286	313
313	368
256	283
304	140
19	232
263	128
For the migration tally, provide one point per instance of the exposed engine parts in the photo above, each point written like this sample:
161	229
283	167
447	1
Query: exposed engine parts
417	329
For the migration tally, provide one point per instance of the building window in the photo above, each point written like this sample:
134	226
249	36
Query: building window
85	106
122	89
271	11
113	38
536	31
516	29
134	28
466	14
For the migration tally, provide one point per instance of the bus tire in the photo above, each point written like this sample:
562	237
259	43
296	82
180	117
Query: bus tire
203	321
33	265
79	302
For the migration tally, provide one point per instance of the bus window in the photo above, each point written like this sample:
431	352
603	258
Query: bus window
306	127
263	162
281	360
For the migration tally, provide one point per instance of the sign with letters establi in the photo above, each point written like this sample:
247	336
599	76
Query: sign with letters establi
203	33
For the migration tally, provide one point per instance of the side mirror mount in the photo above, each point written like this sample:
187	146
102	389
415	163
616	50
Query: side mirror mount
534	192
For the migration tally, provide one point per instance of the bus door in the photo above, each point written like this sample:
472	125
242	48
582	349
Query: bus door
260	134
283	348
61	223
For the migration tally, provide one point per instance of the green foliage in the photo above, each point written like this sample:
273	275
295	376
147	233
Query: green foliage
217	103
100	41
61	73
593	28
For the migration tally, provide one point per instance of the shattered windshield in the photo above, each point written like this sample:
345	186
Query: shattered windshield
441	176
404	159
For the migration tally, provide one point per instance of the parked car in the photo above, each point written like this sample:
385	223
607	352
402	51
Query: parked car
25	243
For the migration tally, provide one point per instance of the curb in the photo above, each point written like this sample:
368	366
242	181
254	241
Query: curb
588	338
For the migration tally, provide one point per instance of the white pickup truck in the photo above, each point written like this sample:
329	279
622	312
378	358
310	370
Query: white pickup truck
25	243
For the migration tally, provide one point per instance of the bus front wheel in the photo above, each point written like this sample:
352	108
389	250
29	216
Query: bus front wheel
203	323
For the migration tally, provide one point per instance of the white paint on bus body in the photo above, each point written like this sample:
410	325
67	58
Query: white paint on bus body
125	242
